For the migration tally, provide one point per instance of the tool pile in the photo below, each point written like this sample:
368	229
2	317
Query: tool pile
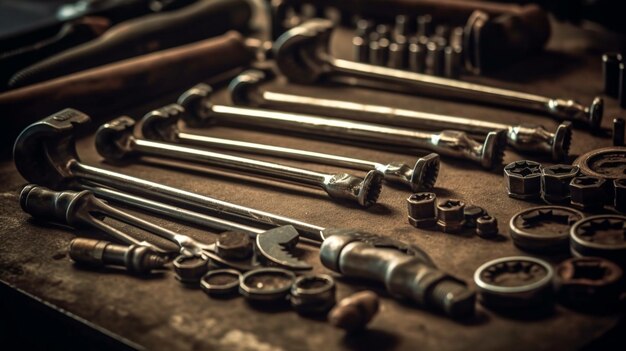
255	252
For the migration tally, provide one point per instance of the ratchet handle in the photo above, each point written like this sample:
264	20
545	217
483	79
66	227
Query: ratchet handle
54	206
404	275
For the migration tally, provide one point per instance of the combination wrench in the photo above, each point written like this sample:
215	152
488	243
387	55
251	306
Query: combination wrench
115	141
449	143
162	124
244	90
302	55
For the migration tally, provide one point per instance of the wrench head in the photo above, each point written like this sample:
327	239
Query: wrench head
243	87
162	123
425	173
113	139
45	149
364	190
562	141
302	52
493	149
196	101
275	247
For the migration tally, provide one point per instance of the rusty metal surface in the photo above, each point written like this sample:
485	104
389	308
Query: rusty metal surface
158	313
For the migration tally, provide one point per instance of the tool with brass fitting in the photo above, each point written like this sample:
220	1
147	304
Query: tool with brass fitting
449	143
523	137
302	55
77	208
162	124
115	141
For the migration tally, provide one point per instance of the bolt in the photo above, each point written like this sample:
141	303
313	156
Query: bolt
137	259
523	179
422	210
190	269
471	214
587	193
450	215
487	227
555	182
234	245
355	311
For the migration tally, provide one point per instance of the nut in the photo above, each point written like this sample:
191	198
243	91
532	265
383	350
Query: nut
422	210
354	312
450	215
587	193
313	294
472	213
589	282
619	186
236	245
486	227
190	269
555	182
523	179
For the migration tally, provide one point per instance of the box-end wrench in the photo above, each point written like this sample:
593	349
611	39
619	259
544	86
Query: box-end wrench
115	141
45	153
302	55
449	143
244	90
162	124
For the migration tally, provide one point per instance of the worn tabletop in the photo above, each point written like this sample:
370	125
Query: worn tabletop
159	313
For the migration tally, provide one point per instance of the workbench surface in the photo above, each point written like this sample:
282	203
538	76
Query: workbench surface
159	313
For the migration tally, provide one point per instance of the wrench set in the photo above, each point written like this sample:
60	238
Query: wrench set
254	253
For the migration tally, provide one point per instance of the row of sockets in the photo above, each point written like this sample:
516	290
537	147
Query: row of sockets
434	50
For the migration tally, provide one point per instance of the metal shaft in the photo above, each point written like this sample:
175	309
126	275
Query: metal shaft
449	143
115	140
149	189
443	87
418	178
523	137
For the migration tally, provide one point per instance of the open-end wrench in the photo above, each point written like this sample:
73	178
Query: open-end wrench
523	137
45	153
302	55
449	143
162	124
115	141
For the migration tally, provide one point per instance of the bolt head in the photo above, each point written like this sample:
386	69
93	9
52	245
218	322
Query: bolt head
555	182
523	179
487	227
421	208
234	245
190	269
587	192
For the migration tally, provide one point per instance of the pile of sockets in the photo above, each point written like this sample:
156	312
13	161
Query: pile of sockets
418	45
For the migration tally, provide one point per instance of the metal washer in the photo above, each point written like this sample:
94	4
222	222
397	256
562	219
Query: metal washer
222	289
588	162
582	247
549	241
538	294
260	293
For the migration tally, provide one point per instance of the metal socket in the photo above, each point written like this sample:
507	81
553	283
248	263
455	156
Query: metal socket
313	294
422	209
450	215
587	193
555	182
487	227
523	179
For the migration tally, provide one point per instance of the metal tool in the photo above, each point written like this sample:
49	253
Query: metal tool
220	282
135	258
162	124
543	228
45	153
523	137
450	215
313	294
517	283
266	284
449	143
523	179
361	255
600	236
80	207
302	55
619	127
273	245
115	141
607	162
